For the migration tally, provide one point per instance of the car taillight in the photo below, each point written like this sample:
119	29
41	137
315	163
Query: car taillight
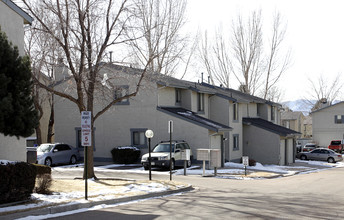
339	155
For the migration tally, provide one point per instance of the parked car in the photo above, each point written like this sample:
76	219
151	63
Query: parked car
308	147
337	146
160	155
49	154
321	154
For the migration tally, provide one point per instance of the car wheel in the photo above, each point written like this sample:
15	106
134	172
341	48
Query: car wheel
303	157
189	163
331	160
48	162
146	167
73	160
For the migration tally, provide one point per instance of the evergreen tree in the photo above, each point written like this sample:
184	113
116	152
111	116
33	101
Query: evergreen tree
17	114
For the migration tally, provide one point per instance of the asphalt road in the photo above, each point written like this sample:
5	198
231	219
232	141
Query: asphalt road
308	196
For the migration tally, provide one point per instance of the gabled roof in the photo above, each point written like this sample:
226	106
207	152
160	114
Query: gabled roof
192	117
327	107
163	80
289	115
27	18
269	126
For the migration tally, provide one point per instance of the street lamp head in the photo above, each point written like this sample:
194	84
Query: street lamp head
149	134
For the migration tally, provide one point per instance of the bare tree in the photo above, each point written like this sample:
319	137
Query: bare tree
40	48
324	91
247	46
276	63
83	30
242	56
216	59
159	31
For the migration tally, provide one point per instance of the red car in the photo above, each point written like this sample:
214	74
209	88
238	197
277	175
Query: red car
336	145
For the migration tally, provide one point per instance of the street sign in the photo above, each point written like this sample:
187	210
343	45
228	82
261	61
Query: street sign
170	126
86	127
245	160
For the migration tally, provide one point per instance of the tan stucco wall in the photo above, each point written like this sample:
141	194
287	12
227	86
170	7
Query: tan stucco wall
13	25
235	155
167	96
324	128
12	149
113	127
264	150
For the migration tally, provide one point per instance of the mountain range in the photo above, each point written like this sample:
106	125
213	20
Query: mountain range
302	105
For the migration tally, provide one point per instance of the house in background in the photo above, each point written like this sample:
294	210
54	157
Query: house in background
307	127
328	124
203	115
12	21
293	120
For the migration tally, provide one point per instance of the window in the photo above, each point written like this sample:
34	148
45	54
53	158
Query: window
235	112
179	147
272	113
259	109
121	91
200	101
318	151
235	142
138	137
178	96
339	119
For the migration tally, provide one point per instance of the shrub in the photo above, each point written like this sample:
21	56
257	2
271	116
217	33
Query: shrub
17	181
42	169
43	179
251	162
125	155
43	184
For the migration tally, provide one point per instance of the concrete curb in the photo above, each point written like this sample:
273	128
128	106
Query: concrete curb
71	207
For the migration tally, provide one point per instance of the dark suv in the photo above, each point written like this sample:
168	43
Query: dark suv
161	155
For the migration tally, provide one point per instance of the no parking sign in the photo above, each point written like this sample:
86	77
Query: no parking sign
86	135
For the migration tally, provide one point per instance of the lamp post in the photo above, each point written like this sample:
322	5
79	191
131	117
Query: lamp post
149	134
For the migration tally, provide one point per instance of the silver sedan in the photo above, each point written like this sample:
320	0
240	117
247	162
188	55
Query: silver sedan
320	154
49	154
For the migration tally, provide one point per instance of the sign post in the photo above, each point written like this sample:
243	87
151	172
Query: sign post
245	161
170	131
86	138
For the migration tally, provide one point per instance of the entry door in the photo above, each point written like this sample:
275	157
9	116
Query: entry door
282	153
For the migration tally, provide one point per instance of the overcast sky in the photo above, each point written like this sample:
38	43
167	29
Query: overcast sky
315	34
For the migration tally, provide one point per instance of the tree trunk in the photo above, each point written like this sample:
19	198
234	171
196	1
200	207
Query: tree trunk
39	135
90	164
51	123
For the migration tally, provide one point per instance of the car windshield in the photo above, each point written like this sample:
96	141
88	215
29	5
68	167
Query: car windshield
310	145
335	142
163	148
45	148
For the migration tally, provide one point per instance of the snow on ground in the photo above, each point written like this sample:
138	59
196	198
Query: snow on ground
231	170
4	162
78	197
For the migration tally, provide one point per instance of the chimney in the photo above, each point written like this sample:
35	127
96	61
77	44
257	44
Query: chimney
110	56
202	77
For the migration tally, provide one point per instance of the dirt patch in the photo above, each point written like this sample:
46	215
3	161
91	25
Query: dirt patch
75	185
